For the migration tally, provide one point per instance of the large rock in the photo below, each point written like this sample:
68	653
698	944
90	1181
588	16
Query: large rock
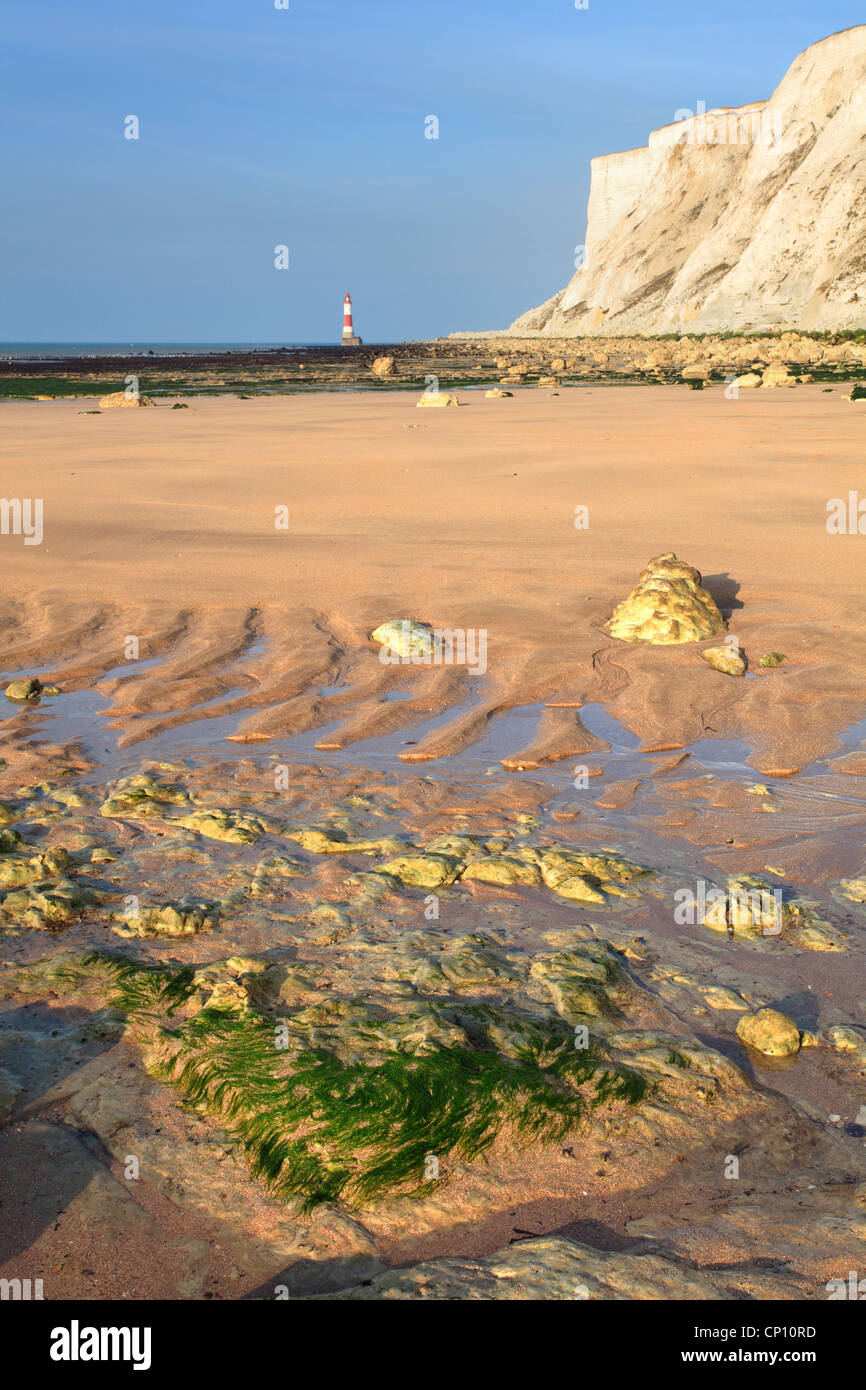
682	232
769	1032
669	605
383	366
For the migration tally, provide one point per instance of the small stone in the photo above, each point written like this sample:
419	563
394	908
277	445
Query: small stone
771	659
496	395
27	689
726	660
124	400
404	639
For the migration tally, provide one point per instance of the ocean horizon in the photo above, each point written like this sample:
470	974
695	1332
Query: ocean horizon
37	351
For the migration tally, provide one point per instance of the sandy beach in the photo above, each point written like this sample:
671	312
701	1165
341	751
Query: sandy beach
164	524
252	797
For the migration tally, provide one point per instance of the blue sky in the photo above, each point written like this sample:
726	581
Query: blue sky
305	127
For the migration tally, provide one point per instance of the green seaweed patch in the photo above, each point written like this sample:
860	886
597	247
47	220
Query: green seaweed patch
321	1129
317	1127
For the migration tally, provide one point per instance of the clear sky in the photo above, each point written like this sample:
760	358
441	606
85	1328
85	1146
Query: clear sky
305	127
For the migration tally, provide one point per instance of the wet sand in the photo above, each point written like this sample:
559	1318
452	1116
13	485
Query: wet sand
255	653
161	524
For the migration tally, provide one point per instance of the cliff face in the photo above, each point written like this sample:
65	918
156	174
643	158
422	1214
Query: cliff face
745	218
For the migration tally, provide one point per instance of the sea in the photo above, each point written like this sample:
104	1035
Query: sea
37	352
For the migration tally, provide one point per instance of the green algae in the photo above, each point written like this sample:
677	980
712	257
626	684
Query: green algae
317	1127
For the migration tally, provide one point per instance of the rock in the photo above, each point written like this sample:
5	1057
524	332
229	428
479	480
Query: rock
724	659
778	375
858	393
771	659
551	1268
232	826
405	639
850	1042
496	395
383	366
669	605
699	372
769	1032
27	689
750	380
185	918
548	381
437	398
421	870
123	401
747	186
557	366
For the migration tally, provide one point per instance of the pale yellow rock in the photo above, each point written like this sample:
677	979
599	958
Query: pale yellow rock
749	381
668	606
699	372
383	366
494	394
717	997
769	1032
726	660
778	376
436	399
123	400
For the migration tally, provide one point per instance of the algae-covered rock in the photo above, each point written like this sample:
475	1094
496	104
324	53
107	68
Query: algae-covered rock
142	798
586	878
405	639
234	827
770	1032
421	870
46	906
188	917
771	659
28	688
669	605
17	869
504	869
579	982
469	961
725	659
328	842
849	1042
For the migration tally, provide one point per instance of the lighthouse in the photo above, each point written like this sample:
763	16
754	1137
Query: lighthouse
349	339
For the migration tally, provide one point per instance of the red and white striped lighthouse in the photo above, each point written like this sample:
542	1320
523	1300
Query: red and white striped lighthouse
349	339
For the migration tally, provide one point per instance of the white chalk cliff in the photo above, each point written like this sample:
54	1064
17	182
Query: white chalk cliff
746	218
